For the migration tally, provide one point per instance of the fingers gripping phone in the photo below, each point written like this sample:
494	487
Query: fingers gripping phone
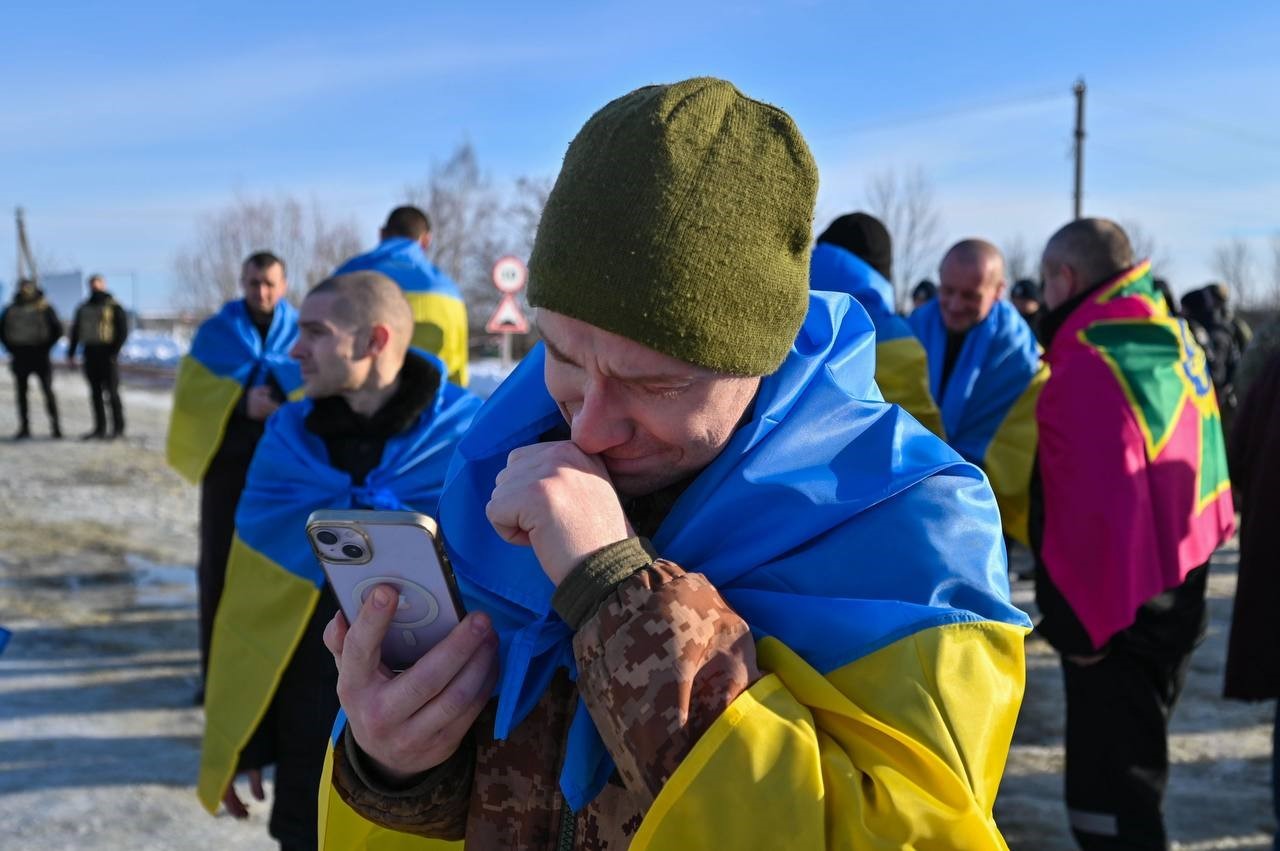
360	550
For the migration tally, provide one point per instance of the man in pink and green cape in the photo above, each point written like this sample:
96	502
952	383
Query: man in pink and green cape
1129	500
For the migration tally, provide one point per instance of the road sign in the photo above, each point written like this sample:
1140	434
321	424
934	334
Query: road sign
508	318
510	275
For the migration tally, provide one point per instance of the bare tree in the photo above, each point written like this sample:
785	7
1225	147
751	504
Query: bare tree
473	224
1146	247
1233	263
1019	262
310	245
906	207
1275	272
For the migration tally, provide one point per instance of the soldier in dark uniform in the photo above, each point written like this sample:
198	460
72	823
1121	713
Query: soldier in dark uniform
28	329
101	326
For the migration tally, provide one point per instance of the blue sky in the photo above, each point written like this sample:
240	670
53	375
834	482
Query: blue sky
120	124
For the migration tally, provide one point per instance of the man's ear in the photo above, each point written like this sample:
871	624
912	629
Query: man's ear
425	241
379	337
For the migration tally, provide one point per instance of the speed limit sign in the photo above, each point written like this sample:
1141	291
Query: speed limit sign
510	275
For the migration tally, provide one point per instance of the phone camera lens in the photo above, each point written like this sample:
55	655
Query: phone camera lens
326	537
352	551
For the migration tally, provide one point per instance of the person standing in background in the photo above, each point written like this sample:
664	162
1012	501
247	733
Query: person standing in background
29	327
101	326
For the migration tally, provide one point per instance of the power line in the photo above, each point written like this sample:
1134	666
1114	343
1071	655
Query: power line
956	111
1239	134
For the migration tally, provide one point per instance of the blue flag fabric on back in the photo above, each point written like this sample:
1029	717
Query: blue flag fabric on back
870	529
227	357
4	638
902	372
273	579
439	314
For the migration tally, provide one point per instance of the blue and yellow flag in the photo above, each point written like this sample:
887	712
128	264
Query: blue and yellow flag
989	407
439	313
273	580
874	580
902	372
227	357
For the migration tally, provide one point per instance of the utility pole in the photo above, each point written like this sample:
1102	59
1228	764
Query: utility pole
24	250
1079	194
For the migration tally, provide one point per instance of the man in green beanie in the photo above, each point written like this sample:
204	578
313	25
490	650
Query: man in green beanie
703	561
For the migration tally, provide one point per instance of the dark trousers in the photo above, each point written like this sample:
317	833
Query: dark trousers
1117	745
104	388
24	366
219	496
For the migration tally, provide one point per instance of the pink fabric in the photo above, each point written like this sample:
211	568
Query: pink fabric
1119	528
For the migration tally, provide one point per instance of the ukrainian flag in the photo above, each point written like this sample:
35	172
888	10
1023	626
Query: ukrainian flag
989	407
902	373
273	580
226	357
874	581
439	313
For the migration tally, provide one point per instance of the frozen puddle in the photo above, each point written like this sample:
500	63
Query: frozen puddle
145	583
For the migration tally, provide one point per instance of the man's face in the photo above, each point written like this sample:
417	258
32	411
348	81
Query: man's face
97	285
334	357
1059	282
967	291
651	418
262	288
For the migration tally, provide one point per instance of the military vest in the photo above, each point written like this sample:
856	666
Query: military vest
95	323
26	324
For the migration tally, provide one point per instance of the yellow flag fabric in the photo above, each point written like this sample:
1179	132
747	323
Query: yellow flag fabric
903	748
440	327
1011	456
202	404
261	618
902	373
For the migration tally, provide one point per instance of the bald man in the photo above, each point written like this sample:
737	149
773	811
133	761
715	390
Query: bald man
984	372
376	430
1130	499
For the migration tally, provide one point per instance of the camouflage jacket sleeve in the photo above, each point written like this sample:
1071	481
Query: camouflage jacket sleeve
660	656
435	805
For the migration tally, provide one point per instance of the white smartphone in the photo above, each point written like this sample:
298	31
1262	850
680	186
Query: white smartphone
360	550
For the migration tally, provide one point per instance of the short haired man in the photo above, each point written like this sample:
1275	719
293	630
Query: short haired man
439	312
29	328
235	377
101	326
694	390
922	293
985	372
1131	499
854	255
376	430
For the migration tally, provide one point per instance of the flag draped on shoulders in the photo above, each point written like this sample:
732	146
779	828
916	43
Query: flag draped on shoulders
902	372
273	580
988	406
439	313
227	357
872	575
1132	459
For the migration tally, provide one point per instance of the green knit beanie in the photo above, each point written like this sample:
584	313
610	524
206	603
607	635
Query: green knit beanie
682	220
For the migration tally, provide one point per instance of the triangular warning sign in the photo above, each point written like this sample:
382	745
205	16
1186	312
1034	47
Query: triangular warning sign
508	318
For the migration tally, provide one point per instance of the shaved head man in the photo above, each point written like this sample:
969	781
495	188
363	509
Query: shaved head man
375	431
1131	499
984	371
972	280
1082	255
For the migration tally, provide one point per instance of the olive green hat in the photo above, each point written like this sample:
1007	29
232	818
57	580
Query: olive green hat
682	219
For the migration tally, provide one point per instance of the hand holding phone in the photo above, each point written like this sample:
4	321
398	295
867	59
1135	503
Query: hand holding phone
360	550
410	722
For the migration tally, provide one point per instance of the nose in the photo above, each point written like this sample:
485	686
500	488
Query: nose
298	350
599	422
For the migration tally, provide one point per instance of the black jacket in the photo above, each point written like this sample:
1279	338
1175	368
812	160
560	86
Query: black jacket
119	324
